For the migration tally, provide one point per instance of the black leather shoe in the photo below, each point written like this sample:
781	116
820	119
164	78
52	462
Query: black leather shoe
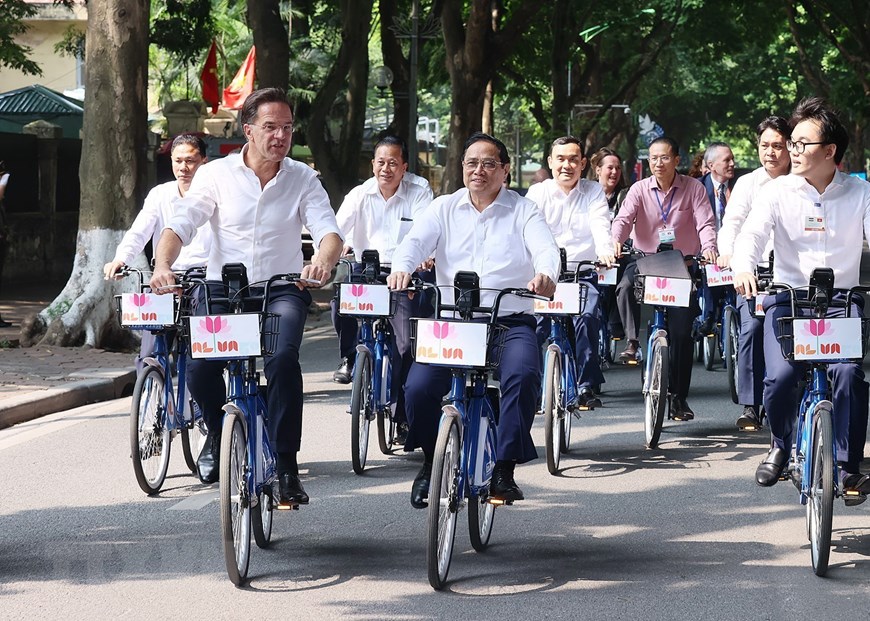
208	463
420	488
290	490
587	400
401	433
769	471
705	328
503	487
749	420
680	410
343	374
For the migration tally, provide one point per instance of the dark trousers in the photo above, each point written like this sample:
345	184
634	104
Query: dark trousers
750	355
679	321
850	391
282	370
400	352
520	375
586	339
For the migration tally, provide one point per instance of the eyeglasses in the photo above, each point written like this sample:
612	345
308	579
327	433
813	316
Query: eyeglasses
488	165
271	128
664	159
798	146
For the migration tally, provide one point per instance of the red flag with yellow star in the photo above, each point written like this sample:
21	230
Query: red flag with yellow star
209	78
243	84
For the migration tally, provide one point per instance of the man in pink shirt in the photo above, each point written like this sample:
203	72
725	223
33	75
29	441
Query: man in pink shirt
667	208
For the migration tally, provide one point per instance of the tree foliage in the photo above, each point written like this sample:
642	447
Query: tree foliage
183	28
13	54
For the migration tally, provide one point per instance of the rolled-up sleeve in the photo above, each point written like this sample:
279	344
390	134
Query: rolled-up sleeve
197	206
316	212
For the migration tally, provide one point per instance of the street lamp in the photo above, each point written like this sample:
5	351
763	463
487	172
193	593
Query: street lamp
383	77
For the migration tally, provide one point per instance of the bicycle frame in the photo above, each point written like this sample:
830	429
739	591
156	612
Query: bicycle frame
816	391
376	338
175	400
656	327
559	338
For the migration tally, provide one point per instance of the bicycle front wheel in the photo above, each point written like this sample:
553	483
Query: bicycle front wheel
656	397
360	410
386	426
480	517
709	345
731	326
443	503
235	505
820	503
149	434
552	406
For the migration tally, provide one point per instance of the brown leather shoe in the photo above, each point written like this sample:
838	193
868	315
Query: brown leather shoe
629	354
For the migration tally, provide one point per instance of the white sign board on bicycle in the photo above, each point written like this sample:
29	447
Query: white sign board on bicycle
451	343
147	309
607	276
566	301
225	336
662	291
828	339
718	276
364	299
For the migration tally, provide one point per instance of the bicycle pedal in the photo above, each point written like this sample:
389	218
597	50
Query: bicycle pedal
498	502
853	498
293	506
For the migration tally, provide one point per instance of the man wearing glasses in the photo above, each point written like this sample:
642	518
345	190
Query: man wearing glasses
490	230
667	208
257	202
819	217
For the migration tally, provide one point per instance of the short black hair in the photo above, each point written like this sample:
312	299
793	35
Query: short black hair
392	141
817	109
673	144
478	136
558	142
259	97
189	139
776	123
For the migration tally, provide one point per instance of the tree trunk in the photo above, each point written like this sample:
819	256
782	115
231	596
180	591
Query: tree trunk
112	172
338	158
270	39
395	60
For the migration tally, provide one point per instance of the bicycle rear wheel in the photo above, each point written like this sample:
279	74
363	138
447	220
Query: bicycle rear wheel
235	506
820	503
261	519
656	397
480	518
552	406
192	441
731	327
443	503
149	434
360	410
386	426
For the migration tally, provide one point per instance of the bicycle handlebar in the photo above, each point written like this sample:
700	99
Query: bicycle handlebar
492	311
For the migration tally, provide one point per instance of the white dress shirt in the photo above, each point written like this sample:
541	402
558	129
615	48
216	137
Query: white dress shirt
260	227
579	220
784	206
746	188
368	221
159	207
506	244
423	182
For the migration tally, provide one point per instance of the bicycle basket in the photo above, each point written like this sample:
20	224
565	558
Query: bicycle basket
146	311
828	339
232	336
663	291
365	300
461	344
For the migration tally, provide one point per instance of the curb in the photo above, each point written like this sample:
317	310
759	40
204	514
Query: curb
74	394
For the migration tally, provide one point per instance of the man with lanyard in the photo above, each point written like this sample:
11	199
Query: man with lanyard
667	208
772	134
257	202
376	216
576	212
490	230
816	215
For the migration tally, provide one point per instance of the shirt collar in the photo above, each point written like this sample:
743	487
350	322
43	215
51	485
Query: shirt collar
677	183
370	186
503	198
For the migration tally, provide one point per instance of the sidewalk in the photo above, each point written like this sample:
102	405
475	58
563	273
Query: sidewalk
37	381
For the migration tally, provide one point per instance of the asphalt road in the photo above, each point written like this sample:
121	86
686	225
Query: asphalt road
681	532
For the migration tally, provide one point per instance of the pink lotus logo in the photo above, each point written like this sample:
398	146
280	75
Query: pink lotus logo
715	268
357	290
214	325
817	328
140	299
440	330
661	283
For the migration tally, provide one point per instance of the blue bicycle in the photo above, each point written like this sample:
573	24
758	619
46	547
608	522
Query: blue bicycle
465	450
159	411
658	286
370	301
247	459
814	469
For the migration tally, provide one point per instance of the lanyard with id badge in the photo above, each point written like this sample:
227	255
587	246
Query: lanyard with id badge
667	235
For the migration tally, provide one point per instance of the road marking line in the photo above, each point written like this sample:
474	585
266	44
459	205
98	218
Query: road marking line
24	432
197	501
